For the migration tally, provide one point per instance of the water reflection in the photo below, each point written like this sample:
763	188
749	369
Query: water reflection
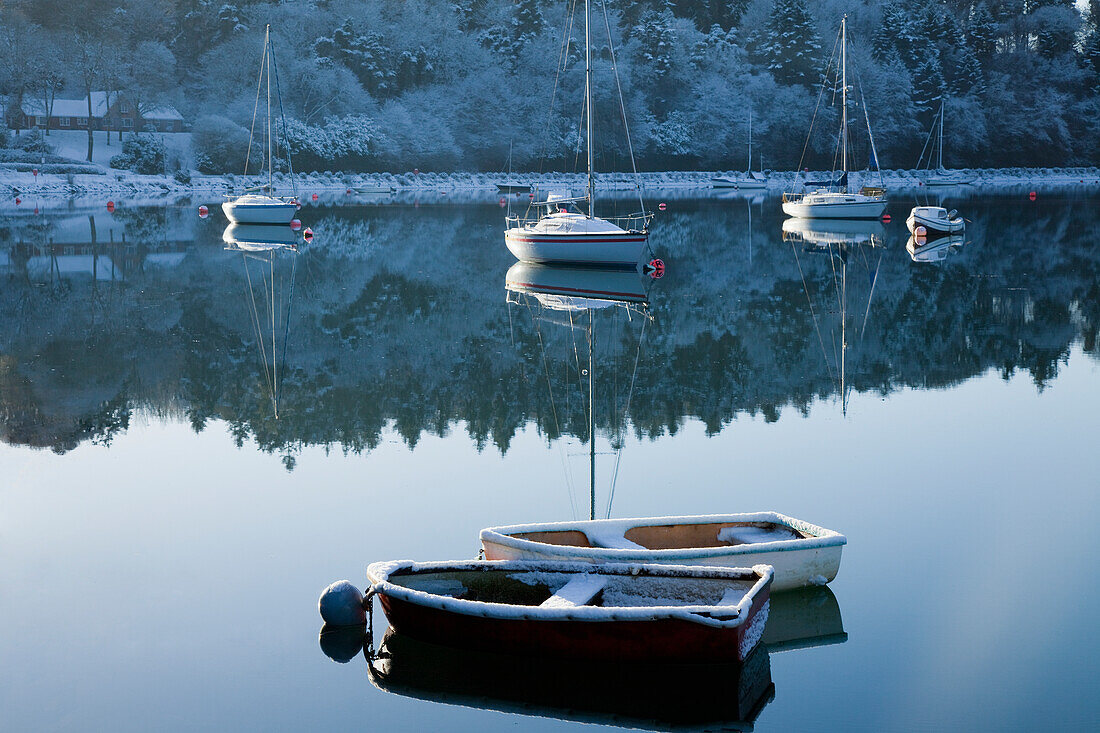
638	695
571	298
400	322
269	294
934	249
651	696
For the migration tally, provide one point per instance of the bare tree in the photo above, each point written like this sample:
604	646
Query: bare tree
45	71
88	49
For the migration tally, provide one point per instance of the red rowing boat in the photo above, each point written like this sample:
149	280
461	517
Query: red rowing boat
570	610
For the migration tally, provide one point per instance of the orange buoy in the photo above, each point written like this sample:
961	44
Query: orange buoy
110	206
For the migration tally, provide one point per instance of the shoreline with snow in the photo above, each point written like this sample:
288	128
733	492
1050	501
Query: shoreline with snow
320	188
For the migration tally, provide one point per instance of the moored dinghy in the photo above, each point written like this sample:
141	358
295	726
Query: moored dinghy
801	553
935	220
608	611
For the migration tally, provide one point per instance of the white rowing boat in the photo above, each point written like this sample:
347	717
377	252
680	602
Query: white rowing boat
802	554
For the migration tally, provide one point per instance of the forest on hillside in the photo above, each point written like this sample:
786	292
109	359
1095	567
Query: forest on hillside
443	85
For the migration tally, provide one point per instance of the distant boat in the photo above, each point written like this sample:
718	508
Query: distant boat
263	207
753	181
555	230
513	188
834	201
935	220
608	612
802	554
372	188
941	176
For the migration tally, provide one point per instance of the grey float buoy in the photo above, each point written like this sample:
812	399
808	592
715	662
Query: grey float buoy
341	604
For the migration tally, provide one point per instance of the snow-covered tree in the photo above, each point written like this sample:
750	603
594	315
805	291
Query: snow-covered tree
789	46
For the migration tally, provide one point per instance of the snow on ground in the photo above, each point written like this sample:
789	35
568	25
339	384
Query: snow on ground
74	144
337	188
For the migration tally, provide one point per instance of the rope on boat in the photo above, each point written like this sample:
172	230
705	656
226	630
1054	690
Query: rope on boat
817	106
626	410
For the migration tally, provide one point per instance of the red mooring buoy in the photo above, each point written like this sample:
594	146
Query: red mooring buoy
203	212
110	206
295	224
662	206
503	202
655	268
314	197
18	200
886	217
1031	195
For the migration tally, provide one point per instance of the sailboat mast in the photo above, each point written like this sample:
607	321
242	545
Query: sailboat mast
844	93
588	106
940	157
591	420
270	142
750	141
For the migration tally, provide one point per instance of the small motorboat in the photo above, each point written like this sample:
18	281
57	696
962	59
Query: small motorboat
512	187
802	554
369	188
935	220
611	612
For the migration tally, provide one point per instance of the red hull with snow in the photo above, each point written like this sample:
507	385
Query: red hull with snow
696	633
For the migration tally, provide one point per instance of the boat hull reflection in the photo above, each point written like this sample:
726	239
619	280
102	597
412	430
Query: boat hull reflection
804	618
640	694
575	288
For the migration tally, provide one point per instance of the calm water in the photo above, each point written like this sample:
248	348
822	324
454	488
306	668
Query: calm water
173	502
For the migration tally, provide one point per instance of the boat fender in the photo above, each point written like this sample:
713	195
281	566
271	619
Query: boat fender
341	604
655	268
308	234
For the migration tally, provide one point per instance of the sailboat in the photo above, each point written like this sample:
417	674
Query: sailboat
827	203
751	182
259	205
941	176
555	230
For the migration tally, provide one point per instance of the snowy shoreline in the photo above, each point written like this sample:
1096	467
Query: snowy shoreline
50	189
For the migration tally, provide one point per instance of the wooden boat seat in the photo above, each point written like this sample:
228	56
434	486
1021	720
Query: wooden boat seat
577	592
613	541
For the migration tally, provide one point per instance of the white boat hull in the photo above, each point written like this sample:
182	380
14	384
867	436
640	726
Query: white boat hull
798	563
739	184
276	212
846	210
934	226
609	249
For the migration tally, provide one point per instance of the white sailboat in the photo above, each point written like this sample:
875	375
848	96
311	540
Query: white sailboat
555	230
259	205
751	182
826	203
941	176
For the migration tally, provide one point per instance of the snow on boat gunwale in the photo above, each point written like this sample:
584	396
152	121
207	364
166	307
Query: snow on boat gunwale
576	609
801	553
